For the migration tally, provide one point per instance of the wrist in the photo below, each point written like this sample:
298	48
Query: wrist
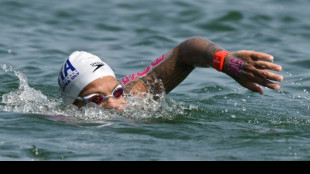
219	59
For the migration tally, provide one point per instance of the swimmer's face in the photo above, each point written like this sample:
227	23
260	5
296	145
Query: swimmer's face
104	86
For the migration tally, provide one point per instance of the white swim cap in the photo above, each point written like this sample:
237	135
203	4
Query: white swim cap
78	71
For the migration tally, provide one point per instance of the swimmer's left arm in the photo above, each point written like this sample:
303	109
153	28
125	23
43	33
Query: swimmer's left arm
173	67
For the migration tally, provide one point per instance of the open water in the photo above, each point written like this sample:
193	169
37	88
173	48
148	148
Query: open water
208	117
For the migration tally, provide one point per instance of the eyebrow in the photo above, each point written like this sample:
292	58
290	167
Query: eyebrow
96	92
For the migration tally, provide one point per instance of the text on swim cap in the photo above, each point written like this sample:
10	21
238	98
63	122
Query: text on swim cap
67	74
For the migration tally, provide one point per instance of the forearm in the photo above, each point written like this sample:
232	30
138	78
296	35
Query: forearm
197	52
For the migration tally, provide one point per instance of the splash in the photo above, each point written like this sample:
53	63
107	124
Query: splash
26	99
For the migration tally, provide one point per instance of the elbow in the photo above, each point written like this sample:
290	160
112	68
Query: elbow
196	39
194	46
194	43
196	51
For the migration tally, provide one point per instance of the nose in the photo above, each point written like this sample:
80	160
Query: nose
114	103
111	103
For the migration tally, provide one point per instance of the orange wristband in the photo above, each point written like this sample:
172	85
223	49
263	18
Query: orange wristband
218	60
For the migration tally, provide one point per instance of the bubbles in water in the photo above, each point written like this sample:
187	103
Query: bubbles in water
6	68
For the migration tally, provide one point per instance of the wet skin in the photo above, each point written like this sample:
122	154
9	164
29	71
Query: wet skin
180	62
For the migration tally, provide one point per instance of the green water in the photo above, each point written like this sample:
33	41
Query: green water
208	117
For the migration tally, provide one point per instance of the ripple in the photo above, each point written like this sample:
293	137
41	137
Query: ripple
215	26
15	4
261	18
109	27
231	16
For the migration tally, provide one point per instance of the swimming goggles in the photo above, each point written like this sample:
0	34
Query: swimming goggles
99	98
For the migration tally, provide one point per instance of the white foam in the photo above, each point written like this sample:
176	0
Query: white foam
26	99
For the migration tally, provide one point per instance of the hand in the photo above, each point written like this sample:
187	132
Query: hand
248	68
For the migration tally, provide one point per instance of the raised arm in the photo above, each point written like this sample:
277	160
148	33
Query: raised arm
169	70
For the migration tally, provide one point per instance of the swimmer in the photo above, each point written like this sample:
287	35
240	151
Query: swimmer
85	78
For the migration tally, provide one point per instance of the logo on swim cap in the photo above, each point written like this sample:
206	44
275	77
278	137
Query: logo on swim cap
97	65
67	74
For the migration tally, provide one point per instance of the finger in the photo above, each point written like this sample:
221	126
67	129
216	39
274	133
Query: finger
273	86
268	75
268	84
261	78
253	87
255	55
261	56
273	76
267	65
255	74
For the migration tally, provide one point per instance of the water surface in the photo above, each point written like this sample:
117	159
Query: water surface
207	117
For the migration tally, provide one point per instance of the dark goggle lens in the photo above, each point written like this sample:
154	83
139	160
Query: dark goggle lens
118	92
96	99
